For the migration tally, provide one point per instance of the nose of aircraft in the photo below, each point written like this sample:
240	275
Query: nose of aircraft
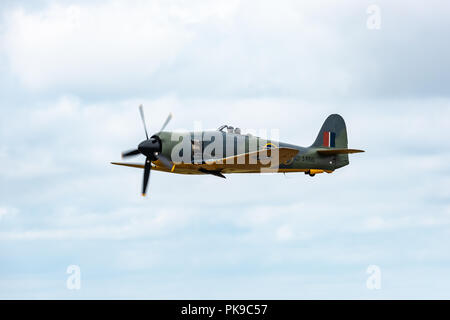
150	147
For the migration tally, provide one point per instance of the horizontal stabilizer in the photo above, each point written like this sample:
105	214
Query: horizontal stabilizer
329	152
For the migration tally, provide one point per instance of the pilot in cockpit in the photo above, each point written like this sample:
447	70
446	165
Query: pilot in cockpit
230	129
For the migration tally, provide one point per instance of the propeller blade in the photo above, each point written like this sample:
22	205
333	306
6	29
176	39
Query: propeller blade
166	162
167	121
147	169
130	153
141	110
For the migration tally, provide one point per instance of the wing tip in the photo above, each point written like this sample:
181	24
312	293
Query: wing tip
132	165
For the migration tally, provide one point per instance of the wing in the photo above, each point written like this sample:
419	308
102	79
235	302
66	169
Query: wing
183	170
245	162
256	159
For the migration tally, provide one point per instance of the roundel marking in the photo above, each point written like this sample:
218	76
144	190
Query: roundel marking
269	146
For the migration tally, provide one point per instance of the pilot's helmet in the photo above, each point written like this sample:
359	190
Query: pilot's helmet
237	130
230	129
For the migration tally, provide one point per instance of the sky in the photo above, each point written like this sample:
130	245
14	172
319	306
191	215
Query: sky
72	74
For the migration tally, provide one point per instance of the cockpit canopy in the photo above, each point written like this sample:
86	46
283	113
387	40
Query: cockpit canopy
230	129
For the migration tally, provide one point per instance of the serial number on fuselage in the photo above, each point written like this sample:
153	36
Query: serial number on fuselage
307	159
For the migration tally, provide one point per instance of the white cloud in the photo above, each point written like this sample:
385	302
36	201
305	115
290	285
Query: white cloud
6	212
100	44
284	233
125	223
105	45
251	48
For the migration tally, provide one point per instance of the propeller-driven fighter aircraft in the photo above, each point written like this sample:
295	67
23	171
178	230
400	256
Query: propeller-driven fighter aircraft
226	151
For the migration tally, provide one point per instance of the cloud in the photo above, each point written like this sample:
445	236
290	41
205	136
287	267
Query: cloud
7	212
125	223
101	45
223	48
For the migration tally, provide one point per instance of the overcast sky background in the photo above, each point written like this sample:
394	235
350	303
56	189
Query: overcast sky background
73	74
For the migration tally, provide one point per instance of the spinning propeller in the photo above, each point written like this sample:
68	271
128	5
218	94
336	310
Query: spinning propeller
151	149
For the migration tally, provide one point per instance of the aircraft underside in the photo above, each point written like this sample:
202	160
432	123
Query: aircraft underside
202	169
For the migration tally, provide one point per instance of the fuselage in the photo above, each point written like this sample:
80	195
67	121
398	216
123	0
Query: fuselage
207	145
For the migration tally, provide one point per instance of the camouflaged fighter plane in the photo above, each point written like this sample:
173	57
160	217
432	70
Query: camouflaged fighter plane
244	153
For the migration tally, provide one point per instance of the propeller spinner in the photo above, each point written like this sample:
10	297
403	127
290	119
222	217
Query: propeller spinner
151	149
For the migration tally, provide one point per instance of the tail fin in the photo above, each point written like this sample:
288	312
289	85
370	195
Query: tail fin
333	135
